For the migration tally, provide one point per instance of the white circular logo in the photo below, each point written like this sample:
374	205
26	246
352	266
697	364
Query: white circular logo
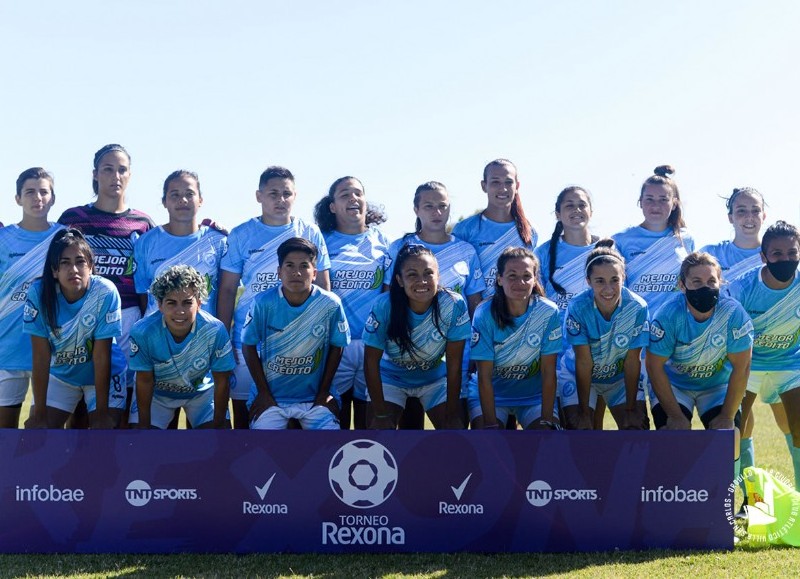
534	340
539	493
363	474
621	340
199	363
461	267
318	330
88	320
138	493
718	340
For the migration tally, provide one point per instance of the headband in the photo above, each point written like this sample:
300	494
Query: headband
601	256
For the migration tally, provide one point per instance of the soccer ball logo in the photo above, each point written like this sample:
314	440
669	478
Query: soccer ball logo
363	474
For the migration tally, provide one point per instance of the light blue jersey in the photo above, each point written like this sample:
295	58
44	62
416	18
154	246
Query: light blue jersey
653	261
157	250
357	265
697	352
516	351
293	341
608	340
776	321
734	260
570	270
426	364
490	239
253	254
95	316
22	257
181	369
459	266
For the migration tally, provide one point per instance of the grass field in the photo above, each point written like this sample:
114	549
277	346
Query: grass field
745	561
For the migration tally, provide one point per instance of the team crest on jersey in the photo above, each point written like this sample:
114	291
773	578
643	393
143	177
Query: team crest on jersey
29	313
372	324
210	258
88	320
199	364
436	335
621	341
476	337
134	347
318	331
718	340
534	340
797	312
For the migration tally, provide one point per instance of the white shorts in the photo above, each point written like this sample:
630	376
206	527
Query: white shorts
430	395
771	384
311	417
129	317
14	386
567	386
703	400
350	373
241	382
199	409
526	414
65	396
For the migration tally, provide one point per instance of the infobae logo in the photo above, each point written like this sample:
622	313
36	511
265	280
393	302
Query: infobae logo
674	495
48	494
138	493
540	493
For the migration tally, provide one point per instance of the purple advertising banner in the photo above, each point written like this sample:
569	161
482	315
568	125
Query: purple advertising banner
368	491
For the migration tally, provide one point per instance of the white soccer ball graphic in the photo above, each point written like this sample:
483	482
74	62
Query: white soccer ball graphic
363	474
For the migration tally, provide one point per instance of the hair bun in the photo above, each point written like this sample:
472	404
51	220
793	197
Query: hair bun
605	242
664	170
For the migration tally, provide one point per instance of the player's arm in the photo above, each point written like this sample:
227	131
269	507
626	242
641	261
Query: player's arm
101	358
454	356
737	384
40	377
145	381
226	296
331	365
548	370
222	390
583	381
142	299
663	389
382	419
264	398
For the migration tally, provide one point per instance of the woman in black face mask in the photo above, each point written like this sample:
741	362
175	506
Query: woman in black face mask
771	296
699	353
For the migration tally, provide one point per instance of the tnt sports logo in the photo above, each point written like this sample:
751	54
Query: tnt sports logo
88	320
138	493
540	493
621	341
717	340
363	474
534	340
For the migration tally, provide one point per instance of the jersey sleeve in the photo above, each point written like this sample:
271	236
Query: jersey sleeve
252	323
551	344
339	328
140	355
323	259
375	327
33	321
576	332
482	341
233	260
662	334
388	261
141	279
641	330
460	327
222	359
740	331
475	283
109	324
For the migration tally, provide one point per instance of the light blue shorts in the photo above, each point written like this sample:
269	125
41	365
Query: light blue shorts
65	396
311	417
350	373
14	386
526	414
199	409
430	395
771	384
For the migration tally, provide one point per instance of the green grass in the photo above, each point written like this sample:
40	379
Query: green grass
745	561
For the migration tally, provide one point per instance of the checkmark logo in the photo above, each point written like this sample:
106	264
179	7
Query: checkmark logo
262	491
459	490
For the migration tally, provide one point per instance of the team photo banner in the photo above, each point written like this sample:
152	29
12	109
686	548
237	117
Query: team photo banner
367	491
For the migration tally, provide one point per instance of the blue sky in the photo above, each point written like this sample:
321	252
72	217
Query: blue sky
398	93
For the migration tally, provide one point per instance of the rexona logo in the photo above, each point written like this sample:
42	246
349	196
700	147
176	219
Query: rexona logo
540	493
362	474
264	508
674	495
51	494
138	493
460	508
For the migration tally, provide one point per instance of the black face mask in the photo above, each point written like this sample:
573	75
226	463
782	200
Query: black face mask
783	271
703	299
